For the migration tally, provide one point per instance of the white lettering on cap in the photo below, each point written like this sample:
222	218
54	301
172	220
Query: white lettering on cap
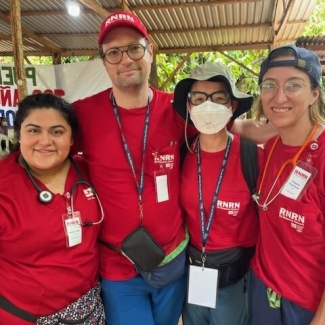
117	17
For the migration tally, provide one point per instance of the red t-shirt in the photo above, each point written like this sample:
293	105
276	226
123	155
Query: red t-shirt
38	272
290	256
112	176
235	222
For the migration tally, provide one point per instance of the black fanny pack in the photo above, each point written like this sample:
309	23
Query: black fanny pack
232	263
142	250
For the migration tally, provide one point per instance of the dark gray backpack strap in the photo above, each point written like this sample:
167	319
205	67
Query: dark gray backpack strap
249	163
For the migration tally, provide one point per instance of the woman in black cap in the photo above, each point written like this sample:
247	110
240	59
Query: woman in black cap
219	212
290	262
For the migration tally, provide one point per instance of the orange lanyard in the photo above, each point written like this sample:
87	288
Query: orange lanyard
292	162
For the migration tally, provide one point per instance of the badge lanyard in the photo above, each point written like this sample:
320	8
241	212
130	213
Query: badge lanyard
205	230
129	156
292	162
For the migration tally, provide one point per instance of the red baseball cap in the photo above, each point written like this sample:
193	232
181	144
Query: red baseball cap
119	19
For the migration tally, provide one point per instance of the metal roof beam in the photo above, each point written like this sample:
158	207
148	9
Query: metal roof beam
32	35
98	9
192	4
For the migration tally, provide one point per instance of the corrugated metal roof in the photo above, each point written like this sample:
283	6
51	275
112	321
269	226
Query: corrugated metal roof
315	44
174	25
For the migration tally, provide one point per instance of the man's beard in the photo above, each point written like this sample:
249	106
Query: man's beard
134	81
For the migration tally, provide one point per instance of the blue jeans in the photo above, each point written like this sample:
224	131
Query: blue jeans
136	302
233	306
288	314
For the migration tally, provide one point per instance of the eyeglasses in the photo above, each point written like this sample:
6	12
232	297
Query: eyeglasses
291	88
198	97
134	52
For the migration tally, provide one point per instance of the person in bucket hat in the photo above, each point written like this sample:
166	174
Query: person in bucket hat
211	71
257	132
221	218
289	263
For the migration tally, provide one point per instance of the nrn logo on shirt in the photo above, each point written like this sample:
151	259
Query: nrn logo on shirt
165	161
231	207
89	193
117	17
297	220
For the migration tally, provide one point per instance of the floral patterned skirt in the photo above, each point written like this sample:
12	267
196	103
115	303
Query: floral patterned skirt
87	310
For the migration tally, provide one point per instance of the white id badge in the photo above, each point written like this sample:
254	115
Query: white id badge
299	180
161	185
202	286
73	229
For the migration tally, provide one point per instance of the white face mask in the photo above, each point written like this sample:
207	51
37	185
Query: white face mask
209	117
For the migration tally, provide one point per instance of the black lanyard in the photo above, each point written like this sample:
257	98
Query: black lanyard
129	156
205	230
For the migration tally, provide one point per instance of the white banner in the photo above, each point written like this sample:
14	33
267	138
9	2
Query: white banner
71	81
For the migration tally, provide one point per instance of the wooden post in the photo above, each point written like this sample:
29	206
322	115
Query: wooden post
56	58
17	45
153	78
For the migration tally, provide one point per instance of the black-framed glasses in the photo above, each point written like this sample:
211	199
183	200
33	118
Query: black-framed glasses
268	89
199	97
134	52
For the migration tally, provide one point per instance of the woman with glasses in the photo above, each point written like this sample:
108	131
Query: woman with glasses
289	264
219	212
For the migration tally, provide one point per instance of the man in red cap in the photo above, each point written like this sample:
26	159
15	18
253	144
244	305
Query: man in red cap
132	147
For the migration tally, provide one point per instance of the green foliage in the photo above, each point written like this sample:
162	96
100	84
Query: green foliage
43	60
73	59
316	23
47	60
247	81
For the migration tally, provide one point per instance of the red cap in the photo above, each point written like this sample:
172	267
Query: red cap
120	19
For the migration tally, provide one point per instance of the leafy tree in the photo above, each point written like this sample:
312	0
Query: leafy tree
166	64
316	23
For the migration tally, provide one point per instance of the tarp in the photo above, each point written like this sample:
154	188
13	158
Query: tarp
71	81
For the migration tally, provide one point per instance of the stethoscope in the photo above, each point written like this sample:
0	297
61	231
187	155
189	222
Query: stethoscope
45	196
293	162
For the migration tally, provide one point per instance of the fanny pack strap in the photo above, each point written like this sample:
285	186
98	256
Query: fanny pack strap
110	246
14	310
115	249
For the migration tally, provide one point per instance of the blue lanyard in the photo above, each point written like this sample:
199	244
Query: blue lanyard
129	156
205	230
